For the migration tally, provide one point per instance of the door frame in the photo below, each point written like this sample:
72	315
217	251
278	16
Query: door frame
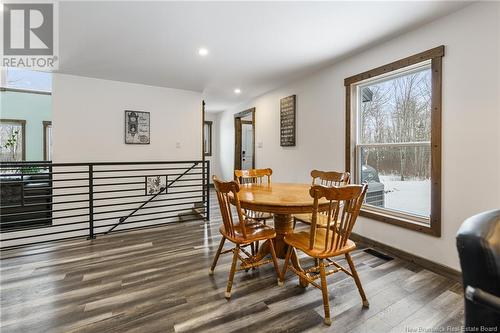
237	136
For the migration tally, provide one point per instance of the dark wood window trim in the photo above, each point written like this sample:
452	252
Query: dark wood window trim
209	152
435	56
46	124
21	122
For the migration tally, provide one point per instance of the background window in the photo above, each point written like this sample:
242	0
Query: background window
22	79
12	140
26	95
207	139
47	140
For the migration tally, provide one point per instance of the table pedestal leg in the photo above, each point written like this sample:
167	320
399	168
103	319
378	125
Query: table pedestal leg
283	224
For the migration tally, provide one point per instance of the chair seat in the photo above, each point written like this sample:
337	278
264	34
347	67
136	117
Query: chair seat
300	240
255	231
322	220
307	218
258	215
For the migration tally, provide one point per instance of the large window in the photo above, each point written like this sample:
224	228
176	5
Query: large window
12	140
394	140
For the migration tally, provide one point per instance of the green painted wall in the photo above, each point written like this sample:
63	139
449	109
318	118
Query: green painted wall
34	108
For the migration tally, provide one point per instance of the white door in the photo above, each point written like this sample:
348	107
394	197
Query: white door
246	146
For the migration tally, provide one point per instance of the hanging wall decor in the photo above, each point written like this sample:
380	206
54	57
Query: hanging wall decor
137	129
287	121
155	184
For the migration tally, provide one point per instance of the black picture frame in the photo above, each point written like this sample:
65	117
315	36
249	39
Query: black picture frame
288	121
135	123
152	189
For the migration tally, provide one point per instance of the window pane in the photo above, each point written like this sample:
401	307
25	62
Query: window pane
11	141
207	138
28	80
398	178
48	142
397	109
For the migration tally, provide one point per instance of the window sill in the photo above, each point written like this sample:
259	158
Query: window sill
433	229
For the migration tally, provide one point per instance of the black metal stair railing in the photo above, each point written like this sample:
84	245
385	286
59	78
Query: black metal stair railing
44	201
162	189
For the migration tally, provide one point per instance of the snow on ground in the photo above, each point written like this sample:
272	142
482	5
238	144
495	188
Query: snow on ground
411	196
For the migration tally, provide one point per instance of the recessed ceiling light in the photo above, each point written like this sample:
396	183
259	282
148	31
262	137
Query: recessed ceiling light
237	91
202	51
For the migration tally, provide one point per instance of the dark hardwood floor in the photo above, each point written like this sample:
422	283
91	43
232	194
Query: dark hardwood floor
156	280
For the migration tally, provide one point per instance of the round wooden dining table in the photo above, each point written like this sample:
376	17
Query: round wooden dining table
282	200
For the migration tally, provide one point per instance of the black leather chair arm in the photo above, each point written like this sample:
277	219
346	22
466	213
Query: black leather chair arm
484	298
478	245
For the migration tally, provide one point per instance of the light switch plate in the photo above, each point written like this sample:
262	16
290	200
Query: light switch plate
177	145
259	144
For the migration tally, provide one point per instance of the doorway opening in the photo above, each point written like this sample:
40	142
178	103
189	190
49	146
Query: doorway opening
244	147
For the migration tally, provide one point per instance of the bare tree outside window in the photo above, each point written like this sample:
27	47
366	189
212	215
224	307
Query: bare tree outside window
12	146
394	155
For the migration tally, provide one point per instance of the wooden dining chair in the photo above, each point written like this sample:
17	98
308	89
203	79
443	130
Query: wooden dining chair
322	244
245	232
253	176
259	177
328	179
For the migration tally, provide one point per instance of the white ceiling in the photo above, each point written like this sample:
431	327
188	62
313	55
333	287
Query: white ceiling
255	46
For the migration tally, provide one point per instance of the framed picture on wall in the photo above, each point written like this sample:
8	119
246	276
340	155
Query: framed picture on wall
155	184
137	127
287	121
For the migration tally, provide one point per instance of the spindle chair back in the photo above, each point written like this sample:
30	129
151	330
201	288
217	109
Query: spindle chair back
324	178
258	177
344	205
253	176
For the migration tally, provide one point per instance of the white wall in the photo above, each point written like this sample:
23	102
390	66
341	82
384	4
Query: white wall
214	159
88	121
471	118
